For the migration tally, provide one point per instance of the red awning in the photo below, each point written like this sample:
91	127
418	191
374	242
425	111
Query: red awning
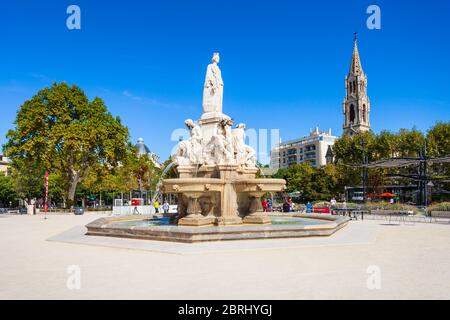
384	195
387	194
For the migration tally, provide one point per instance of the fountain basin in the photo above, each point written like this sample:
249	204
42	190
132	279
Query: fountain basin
154	229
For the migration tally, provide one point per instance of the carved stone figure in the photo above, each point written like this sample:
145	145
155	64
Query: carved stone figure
190	152
222	143
245	155
227	134
213	89
182	156
196	156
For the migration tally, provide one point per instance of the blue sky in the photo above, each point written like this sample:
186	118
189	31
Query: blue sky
283	62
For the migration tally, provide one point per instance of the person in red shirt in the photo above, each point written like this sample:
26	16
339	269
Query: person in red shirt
264	205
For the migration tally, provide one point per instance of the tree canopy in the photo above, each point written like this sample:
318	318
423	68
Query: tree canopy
61	131
7	191
350	151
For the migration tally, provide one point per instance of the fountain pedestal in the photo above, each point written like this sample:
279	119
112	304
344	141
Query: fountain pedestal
221	195
194	217
229	210
256	211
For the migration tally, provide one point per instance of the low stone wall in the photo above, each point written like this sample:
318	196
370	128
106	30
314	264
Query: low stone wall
130	210
104	227
440	214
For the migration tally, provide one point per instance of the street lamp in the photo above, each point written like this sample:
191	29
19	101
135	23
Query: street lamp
428	185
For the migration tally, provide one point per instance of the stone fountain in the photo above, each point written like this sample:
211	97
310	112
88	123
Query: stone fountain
217	182
219	196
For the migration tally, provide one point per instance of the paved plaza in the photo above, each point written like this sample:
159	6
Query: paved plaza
36	255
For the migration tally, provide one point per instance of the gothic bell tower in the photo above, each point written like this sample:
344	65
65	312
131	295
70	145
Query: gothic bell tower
356	103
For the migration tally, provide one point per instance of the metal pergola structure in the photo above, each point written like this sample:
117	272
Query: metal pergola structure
422	162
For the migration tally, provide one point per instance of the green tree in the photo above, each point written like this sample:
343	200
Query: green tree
65	133
410	142
324	183
134	173
7	192
28	177
438	140
438	145
314	184
385	146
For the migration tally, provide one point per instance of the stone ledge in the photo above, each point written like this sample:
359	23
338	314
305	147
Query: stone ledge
101	227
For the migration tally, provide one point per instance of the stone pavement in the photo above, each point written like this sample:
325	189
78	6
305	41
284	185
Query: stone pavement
414	261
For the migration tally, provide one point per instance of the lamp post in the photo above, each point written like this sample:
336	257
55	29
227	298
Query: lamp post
46	196
428	185
364	170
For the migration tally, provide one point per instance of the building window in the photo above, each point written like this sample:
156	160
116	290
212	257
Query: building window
292	160
364	113
310	148
352	113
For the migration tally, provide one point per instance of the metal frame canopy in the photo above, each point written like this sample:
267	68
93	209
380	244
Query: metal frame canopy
404	162
421	162
393	163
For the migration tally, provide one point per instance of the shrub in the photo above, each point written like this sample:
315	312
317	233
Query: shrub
443	206
389	206
321	204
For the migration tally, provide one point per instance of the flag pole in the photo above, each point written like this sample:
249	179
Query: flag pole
46	196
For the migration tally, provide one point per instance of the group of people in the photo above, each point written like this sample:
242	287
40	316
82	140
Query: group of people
267	205
165	207
288	205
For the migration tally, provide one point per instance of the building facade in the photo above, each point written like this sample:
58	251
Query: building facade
143	150
312	149
356	105
4	165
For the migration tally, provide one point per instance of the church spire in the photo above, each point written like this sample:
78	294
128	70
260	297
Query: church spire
355	67
356	103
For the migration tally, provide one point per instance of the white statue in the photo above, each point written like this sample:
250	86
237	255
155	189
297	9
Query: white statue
190	152
220	149
215	143
245	155
213	90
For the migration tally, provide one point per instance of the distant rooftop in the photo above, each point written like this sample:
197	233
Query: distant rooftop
144	150
313	135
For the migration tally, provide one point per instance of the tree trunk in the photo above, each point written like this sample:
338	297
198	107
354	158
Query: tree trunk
73	188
